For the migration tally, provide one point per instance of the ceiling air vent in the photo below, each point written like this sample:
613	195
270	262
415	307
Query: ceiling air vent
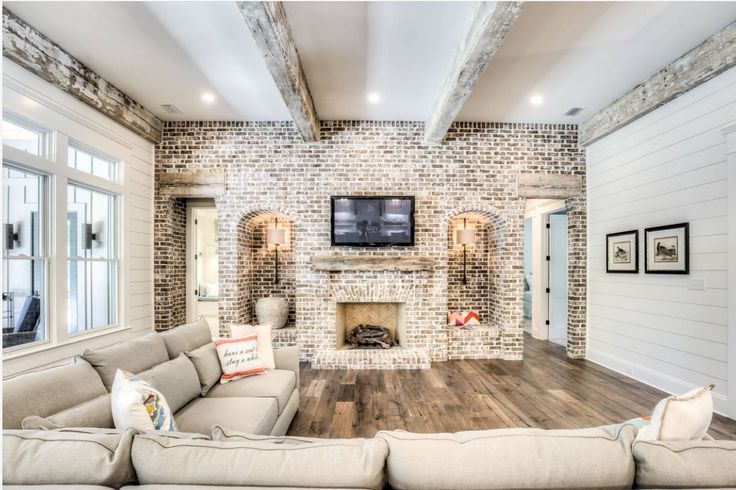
171	108
574	111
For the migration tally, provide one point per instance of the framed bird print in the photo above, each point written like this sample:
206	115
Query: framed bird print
622	252
667	249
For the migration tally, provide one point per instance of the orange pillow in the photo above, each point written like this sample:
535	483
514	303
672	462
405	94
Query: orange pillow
239	358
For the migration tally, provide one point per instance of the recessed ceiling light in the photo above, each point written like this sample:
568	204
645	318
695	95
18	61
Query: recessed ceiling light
374	98
208	97
536	99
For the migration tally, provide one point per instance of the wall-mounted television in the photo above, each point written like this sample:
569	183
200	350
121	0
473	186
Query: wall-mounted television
368	221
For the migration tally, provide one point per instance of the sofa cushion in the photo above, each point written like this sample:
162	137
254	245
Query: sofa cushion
134	356
680	464
57	487
68	458
221	433
277	384
254	415
511	458
93	413
186	337
337	463
177	380
207	363
49	391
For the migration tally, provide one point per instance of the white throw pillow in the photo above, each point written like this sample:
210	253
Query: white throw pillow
680	418
265	344
137	404
238	358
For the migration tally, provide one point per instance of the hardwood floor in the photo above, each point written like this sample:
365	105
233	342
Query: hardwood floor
546	390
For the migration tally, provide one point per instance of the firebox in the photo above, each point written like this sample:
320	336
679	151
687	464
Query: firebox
377	324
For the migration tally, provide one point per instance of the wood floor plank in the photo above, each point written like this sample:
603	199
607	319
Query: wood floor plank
546	390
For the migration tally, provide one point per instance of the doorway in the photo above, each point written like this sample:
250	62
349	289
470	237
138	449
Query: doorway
203	293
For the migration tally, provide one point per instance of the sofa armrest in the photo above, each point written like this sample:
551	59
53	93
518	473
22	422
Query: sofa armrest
287	358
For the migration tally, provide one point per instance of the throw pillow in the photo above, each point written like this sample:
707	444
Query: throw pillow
265	344
680	418
455	319
471	318
137	404
238	358
207	363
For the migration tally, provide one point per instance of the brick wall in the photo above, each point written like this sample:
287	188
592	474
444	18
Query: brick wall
269	169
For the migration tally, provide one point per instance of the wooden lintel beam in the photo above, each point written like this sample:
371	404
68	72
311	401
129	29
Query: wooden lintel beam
36	53
549	186
712	57
270	28
488	28
197	183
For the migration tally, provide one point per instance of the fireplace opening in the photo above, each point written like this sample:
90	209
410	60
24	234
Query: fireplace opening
370	325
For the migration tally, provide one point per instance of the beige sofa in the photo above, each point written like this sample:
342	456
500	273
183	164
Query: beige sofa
179	363
602	457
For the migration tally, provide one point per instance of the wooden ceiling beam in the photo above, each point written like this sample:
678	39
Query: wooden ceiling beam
712	57
270	28
488	28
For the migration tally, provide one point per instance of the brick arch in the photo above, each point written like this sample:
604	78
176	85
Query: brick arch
240	257
504	313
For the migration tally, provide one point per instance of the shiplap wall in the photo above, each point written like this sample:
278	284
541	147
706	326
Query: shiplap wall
32	98
667	167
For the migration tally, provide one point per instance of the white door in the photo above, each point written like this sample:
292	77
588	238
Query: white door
558	278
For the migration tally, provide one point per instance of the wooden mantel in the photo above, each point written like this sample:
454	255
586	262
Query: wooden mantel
338	263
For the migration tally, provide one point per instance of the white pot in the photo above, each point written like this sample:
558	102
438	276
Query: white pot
273	311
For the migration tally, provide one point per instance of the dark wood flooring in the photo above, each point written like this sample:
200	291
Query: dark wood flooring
546	390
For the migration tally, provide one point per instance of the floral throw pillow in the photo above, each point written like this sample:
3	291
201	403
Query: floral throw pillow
239	357
137	404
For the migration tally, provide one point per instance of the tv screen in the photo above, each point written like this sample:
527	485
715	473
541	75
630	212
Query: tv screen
372	221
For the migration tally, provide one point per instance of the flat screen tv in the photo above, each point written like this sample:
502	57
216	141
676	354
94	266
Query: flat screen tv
385	221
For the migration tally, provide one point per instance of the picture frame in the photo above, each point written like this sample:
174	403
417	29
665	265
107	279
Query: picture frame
667	249
622	252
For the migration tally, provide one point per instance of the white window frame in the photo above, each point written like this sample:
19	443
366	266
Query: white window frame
53	164
44	249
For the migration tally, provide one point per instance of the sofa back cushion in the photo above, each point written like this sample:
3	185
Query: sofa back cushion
78	457
186	337
49	391
685	464
511	458
134	355
93	413
338	463
177	380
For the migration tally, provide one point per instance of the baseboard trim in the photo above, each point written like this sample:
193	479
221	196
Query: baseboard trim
652	378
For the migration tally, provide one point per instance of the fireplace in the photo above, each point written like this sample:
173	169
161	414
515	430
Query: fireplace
389	316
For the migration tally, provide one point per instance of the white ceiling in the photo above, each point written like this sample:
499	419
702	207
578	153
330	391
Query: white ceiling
573	53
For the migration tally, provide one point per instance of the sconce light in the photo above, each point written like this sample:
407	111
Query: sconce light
10	237
89	237
276	237
465	237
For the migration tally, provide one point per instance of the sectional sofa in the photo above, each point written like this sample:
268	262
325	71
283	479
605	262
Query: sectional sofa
78	394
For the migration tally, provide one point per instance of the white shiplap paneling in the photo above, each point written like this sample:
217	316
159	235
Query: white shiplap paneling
34	99
668	167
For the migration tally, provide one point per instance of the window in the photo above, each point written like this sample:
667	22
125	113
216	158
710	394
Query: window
92	258
92	164
22	137
24	256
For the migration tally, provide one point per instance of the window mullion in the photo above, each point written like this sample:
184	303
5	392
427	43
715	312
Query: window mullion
59	286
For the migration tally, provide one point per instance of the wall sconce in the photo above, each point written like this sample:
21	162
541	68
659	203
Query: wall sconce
11	237
276	237
465	237
89	237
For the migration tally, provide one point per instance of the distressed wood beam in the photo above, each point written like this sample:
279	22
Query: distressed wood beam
36	53
714	56
197	183
549	186
270	28
371	263
488	28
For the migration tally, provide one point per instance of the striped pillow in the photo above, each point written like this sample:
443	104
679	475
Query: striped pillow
239	358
